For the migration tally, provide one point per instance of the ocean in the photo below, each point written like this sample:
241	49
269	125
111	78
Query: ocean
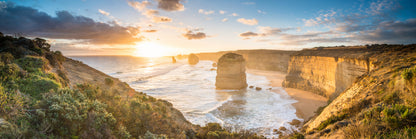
191	89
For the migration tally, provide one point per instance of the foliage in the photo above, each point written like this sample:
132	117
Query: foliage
36	85
409	73
109	81
32	63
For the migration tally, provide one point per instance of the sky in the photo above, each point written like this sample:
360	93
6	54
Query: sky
170	27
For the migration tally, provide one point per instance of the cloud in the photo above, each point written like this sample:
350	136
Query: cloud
150	13
31	22
150	31
234	14
249	34
103	12
391	31
261	12
161	19
265	31
202	11
222	12
114	21
224	20
248	3
323	18
250	22
170	5
140	6
190	35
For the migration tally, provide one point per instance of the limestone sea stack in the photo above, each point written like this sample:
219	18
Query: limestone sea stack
193	59
173	59
231	72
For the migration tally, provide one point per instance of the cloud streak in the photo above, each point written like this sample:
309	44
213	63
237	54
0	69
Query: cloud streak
31	22
250	22
190	35
170	5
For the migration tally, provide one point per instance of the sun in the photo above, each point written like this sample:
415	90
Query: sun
150	49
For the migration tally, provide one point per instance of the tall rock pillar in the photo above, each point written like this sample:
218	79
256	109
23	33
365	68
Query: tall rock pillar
231	72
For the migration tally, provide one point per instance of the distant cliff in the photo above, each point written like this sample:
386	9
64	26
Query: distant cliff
273	60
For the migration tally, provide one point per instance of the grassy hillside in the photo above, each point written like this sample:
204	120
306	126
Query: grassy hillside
46	95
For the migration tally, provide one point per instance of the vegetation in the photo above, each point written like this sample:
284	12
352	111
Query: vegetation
36	101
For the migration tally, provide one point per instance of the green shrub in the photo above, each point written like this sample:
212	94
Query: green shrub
9	72
331	120
409	73
6	58
391	98
109	81
399	116
32	64
37	85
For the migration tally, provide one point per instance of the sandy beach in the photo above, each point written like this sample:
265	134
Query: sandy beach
308	102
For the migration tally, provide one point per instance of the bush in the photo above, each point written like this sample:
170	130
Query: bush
37	85
109	81
32	64
9	72
409	73
6	58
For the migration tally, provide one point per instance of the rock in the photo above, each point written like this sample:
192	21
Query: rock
295	122
212	69
231	72
251	86
325	131
214	64
282	128
193	59
173	59
258	88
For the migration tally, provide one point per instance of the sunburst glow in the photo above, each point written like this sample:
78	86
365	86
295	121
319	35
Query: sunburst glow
151	49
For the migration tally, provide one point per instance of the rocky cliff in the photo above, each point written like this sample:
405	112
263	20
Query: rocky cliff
326	76
379	103
274	60
327	71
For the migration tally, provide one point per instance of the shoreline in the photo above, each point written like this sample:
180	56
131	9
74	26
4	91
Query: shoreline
308	102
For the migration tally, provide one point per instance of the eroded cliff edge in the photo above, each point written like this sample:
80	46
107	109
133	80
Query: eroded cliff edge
327	71
379	103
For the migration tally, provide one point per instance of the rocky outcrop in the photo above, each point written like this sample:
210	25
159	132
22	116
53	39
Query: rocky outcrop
193	59
173	59
231	72
273	60
326	76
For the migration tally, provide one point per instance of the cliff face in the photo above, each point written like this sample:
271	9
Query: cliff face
378	104
274	60
327	76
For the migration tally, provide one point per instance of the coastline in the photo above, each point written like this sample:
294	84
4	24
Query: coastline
308	102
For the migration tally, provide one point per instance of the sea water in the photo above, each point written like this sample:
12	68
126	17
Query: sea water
191	89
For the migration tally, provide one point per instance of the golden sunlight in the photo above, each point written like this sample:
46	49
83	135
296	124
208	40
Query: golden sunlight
151	49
